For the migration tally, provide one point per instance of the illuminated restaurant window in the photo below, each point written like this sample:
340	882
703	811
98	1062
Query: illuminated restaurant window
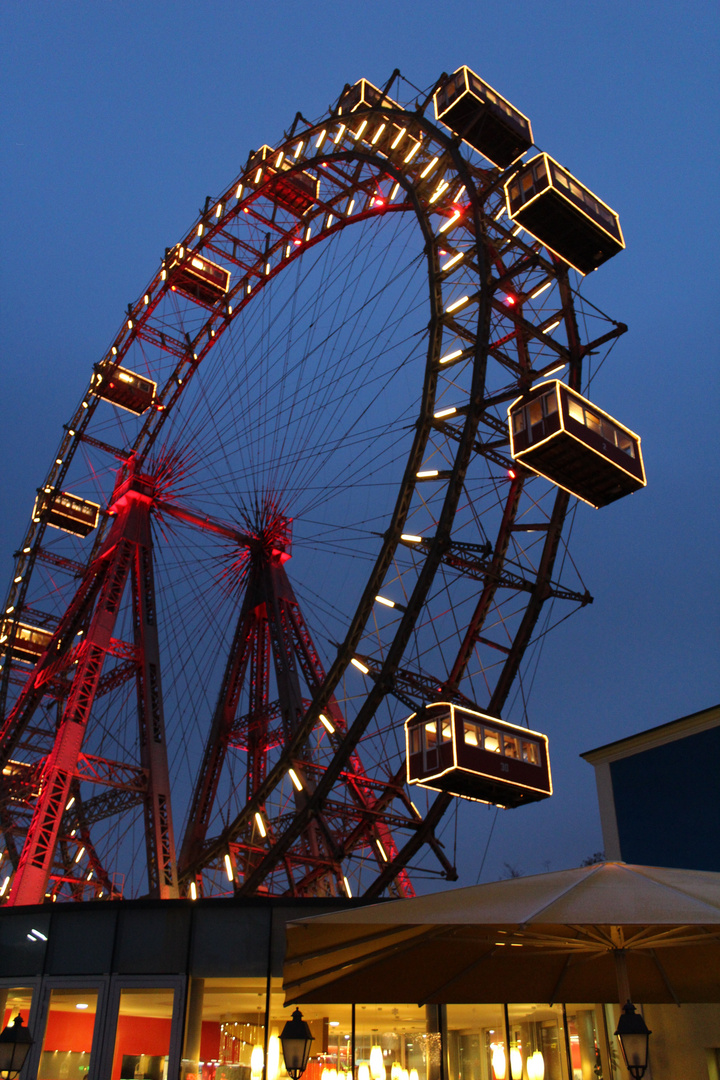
67	1048
142	1041
14	1001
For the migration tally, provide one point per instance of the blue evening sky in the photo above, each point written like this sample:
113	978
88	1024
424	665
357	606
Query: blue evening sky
119	118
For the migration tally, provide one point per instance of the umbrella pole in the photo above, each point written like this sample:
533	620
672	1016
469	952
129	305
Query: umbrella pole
621	973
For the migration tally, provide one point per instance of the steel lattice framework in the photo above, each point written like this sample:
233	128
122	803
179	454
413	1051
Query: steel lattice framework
343	403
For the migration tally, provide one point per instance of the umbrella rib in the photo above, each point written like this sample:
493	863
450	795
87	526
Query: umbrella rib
378	935
363	961
674	888
665	979
458	975
558	896
561	977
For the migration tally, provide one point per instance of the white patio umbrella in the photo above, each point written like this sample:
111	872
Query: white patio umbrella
604	933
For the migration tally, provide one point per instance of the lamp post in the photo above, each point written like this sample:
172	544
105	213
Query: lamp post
15	1042
295	1040
633	1035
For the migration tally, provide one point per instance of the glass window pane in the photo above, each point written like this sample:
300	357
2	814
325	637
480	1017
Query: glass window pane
472	733
67	1044
14	1000
538	1029
510	746
530	752
492	741
476	1042
576	410
585	1054
142	1042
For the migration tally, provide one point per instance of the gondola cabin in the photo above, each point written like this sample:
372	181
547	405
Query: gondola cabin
30	641
363	95
563	215
295	189
67	512
454	749
482	117
560	435
196	276
124	388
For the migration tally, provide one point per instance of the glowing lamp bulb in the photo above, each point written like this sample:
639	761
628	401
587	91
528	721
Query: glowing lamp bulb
377	1065
256	1060
536	1066
516	1064
512	474
499	1063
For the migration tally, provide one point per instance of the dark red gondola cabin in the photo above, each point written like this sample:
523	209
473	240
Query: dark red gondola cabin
124	388
197	276
30	641
295	189
67	512
560	435
563	214
454	749
482	117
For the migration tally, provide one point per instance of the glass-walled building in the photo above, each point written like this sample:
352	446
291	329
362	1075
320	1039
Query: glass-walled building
159	990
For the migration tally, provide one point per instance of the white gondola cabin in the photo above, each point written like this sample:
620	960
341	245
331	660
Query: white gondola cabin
454	749
196	276
562	436
30	641
482	117
296	190
563	215
67	512
124	388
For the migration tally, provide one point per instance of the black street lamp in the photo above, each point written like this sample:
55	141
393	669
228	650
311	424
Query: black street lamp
295	1040
15	1042
633	1035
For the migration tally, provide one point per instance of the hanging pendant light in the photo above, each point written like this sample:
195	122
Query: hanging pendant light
516	1064
536	1066
377	1065
499	1062
273	1059
256	1061
363	1072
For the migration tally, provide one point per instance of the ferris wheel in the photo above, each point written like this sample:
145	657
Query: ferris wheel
286	514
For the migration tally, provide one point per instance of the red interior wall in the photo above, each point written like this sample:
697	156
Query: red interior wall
140	1035
69	1030
210	1040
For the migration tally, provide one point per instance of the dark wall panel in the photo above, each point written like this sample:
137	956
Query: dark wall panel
667	801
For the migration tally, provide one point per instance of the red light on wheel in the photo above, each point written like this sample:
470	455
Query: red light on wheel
512	474
509	300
